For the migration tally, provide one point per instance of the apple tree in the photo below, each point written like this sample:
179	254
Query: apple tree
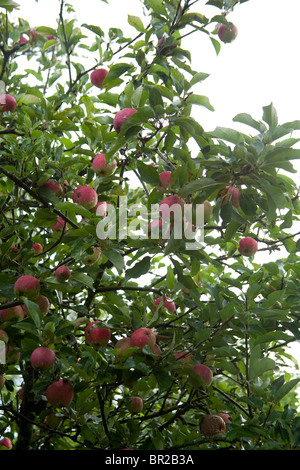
116	332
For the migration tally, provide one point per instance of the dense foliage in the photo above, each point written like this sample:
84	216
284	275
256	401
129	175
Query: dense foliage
236	314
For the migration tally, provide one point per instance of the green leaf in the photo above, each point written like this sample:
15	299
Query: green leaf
116	259
34	312
247	119
140	268
95	29
200	184
270	115
148	173
137	23
200	100
285	389
8	4
83	279
116	71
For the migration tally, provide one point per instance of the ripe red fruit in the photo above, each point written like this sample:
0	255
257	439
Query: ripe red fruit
43	303
123	344
42	358
27	286
2	382
167	303
7	103
225	417
101	168
135	405
234	194
60	393
60	225
96	335
166	180
37	247
5	442
23	40
121	117
226	33
55	187
248	246
142	337
97	77
171	207
85	196
212	425
101	208
200	375
92	258
62	273
12	314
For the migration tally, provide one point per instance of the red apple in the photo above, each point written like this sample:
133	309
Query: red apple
121	117
234	194
85	196
101	208
97	77
142	337
7	103
166	180
226	33
101	168
5	442
12	314
92	258
42	358
212	425
248	246
33	35
225	417
23	40
43	303
62	273
135	405
167	303
183	356
200	375
37	247
123	344
171	207
27	286
55	187
60	393
96	335
60	225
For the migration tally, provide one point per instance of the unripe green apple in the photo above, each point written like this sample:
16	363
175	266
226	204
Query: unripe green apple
90	259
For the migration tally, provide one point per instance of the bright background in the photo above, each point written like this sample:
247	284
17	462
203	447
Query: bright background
261	66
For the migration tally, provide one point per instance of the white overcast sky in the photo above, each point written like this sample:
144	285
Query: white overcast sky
261	66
